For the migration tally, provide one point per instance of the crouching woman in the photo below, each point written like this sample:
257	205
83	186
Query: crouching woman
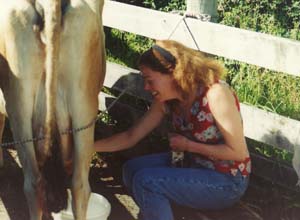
207	129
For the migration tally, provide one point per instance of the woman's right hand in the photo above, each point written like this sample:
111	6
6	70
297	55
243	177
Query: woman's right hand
139	130
178	142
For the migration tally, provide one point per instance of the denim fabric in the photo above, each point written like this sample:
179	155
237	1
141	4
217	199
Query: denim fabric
154	184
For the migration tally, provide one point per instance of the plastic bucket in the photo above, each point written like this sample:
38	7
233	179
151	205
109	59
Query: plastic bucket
98	209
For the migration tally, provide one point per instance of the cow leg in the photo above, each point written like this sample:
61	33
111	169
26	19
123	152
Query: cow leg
83	150
20	122
19	109
80	185
32	186
2	123
25	59
83	79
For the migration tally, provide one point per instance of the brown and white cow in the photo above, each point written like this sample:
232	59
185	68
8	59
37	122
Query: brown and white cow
52	67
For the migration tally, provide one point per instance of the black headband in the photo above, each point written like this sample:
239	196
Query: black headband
165	54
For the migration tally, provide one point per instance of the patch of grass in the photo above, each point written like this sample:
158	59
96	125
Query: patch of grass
125	48
271	91
271	152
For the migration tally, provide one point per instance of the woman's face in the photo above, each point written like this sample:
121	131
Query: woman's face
161	86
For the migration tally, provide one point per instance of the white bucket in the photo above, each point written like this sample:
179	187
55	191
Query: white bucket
98	209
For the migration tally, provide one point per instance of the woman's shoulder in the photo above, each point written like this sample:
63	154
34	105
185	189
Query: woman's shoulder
221	94
219	90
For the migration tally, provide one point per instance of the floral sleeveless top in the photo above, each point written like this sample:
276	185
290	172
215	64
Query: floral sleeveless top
199	125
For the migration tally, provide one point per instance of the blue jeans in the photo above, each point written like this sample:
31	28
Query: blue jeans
154	184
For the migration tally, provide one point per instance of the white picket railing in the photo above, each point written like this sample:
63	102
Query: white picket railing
263	50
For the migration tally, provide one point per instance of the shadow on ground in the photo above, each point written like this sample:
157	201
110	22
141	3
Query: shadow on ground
14	205
263	201
106	181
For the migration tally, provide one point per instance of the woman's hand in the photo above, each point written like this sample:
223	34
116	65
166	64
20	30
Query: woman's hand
178	142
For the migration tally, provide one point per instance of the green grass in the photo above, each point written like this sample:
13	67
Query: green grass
125	48
271	91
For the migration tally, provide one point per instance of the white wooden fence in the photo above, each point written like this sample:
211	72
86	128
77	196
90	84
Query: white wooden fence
263	50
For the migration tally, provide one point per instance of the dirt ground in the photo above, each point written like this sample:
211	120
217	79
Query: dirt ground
13	203
105	179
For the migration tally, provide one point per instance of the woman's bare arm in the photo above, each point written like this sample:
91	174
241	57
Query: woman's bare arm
130	137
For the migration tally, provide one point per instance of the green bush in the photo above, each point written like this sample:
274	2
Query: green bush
276	17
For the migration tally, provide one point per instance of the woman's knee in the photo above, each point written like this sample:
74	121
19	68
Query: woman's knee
139	184
134	166
144	180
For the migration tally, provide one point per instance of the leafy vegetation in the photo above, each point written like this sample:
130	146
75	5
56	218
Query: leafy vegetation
276	17
275	92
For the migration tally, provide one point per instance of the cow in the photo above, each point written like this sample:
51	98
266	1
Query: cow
52	67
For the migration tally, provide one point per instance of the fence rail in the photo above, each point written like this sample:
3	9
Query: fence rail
263	50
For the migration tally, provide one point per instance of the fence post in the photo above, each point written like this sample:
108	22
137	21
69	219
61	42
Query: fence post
202	8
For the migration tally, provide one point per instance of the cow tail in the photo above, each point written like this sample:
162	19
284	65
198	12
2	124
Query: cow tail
52	170
52	34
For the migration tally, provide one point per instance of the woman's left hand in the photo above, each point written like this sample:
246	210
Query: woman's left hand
178	142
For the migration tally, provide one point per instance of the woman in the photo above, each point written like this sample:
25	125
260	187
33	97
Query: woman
207	126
